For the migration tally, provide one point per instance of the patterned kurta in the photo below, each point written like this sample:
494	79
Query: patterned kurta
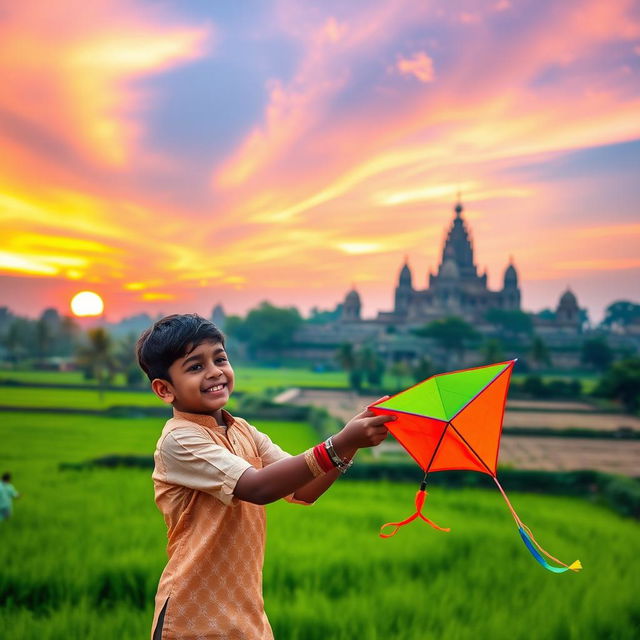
213	579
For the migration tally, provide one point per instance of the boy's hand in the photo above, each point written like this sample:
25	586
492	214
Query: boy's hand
364	430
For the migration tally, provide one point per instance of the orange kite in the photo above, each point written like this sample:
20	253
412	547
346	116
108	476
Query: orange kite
454	421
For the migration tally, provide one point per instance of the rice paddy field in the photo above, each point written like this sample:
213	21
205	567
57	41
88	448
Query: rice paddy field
248	379
82	555
255	379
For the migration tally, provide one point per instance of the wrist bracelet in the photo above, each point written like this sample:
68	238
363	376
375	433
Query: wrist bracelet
322	457
342	464
312	463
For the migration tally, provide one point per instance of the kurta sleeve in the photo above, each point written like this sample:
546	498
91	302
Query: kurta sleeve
191	459
268	450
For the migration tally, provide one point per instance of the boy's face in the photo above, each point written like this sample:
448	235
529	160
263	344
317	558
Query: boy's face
201	381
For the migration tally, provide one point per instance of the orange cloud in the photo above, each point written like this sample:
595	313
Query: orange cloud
71	66
311	193
420	66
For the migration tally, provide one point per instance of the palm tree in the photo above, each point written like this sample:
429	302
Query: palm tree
400	370
18	337
492	350
348	359
125	355
540	352
96	356
372	365
44	337
452	334
422	369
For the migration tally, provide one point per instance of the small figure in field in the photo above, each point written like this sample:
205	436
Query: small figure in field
213	474
7	495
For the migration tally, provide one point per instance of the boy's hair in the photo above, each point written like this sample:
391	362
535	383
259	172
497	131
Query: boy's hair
171	338
6	477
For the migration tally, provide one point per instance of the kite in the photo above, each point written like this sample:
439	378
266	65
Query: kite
453	421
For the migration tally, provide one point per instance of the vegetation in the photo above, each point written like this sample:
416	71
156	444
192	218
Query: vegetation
81	557
512	324
621	313
74	398
361	365
96	357
322	316
348	360
537	387
597	353
452	334
492	350
267	329
539	352
622	383
48	336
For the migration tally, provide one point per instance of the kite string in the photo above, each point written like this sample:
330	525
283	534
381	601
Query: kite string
513	511
524	527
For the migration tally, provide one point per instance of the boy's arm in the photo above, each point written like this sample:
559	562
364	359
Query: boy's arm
314	489
290	475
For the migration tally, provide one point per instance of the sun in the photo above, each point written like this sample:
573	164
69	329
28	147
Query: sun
87	303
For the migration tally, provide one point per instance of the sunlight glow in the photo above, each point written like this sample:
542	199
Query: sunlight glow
87	303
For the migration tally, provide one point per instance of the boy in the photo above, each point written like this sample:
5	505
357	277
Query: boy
7	495
213	472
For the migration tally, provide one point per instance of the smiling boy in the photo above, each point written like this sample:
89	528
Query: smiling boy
213	472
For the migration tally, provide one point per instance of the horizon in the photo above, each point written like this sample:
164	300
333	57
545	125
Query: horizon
195	154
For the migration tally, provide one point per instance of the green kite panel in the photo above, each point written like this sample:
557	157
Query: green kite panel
458	388
423	399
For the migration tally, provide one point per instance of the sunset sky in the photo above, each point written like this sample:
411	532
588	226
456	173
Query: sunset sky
171	155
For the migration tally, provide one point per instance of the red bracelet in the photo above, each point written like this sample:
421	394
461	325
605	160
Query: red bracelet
322	457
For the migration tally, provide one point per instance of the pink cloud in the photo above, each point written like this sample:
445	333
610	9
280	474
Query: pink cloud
502	5
311	197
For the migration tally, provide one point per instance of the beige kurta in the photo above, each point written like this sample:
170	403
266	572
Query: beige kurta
213	579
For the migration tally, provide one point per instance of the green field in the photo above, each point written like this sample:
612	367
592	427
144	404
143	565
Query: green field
248	379
74	398
259	379
83	553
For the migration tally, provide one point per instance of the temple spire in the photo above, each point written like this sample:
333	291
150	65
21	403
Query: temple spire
458	245
458	208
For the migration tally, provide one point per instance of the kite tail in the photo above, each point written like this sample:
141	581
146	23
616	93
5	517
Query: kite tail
421	496
533	546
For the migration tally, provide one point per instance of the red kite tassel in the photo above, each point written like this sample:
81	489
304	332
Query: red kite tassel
420	498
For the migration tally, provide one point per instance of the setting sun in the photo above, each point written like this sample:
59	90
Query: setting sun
87	303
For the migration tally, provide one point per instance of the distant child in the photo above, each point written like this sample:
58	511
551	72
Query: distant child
7	495
213	472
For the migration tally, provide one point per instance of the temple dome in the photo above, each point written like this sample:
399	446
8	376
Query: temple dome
351	306
510	277
353	297
568	300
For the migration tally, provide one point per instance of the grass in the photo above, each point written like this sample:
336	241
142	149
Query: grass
589	381
83	553
34	376
248	379
258	379
74	398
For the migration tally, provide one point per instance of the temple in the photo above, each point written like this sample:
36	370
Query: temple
456	289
